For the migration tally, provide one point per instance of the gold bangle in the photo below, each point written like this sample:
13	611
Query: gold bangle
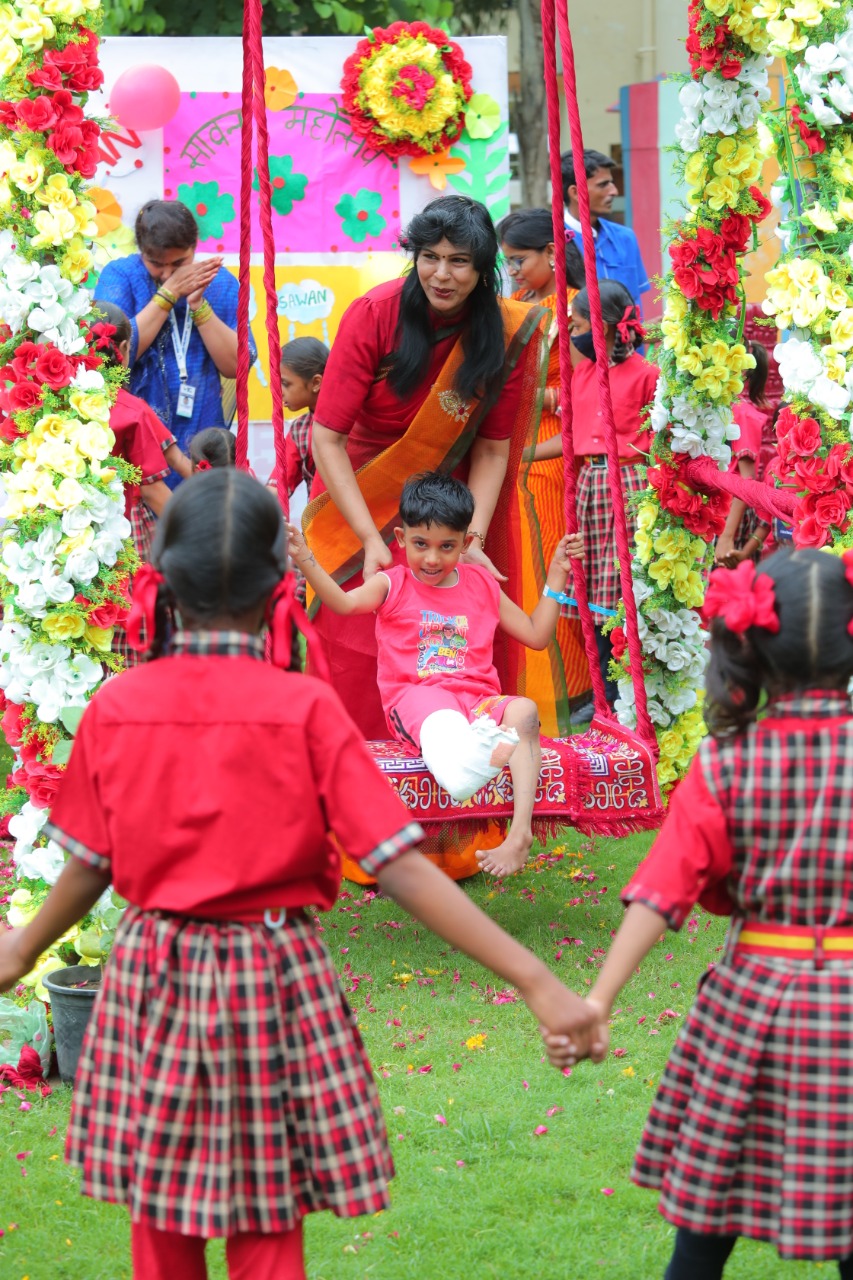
474	534
201	314
168	295
162	302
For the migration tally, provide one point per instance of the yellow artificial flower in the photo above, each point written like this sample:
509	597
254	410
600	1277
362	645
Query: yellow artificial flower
647	514
476	1042
671	744
21	908
10	55
809	12
785	36
47	963
28	174
56	193
53	424
85	216
8	157
31	27
64	626
690	361
845	210
677	305
79	542
820	218
837	297
722	193
69	493
695	169
89	404
77	261
100	638
61	457
53	229
841	330
768	10
94	441
643	545
691	591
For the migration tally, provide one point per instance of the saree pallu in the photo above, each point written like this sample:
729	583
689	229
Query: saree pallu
543	484
441	435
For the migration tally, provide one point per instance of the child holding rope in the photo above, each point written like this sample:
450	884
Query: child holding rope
750	1132
223	1088
436	619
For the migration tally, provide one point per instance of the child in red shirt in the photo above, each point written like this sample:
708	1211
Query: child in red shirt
213	447
435	626
223	1088
744	535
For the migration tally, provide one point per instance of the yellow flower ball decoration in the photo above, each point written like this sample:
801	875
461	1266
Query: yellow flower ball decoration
790	23
406	89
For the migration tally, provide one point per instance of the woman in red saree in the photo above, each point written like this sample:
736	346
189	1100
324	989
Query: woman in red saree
432	370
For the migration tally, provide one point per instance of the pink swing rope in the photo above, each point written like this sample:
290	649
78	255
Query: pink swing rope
645	728
254	110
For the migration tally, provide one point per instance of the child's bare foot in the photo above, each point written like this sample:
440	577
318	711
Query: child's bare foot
507	857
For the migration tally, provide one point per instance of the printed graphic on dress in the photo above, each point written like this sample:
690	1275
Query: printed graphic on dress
442	643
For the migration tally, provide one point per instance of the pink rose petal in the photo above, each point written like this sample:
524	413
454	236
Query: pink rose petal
540	1130
553	1111
607	1191
440	1119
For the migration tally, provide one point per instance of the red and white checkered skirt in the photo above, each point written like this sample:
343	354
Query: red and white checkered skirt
223	1085
751	1131
597	523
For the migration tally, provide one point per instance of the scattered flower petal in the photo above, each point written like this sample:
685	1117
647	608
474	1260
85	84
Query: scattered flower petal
540	1130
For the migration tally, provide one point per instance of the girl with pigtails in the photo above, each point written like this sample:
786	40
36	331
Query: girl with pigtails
223	1088
751	1131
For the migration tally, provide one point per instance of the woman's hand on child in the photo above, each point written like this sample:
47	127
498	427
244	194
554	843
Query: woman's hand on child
376	557
476	555
565	1049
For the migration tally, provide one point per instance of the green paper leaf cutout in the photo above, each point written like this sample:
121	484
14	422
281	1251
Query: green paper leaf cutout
482	115
360	216
287	186
210	207
70	718
486	174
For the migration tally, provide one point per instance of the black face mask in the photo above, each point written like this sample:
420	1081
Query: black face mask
583	342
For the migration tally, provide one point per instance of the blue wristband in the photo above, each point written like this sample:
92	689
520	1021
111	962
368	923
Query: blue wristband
562	598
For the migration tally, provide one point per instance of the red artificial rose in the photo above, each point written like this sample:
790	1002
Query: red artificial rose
845	474
41	782
688	281
45	77
37	114
836	459
86	80
618	643
812	474
764	205
53	368
106	615
683	253
8	115
13	723
807	532
64	142
815	142
10	431
21	396
804	437
832	509
734	231
66	108
24	360
730	67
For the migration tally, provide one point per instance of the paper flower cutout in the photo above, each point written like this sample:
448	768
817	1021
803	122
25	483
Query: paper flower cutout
437	167
287	186
117	243
482	116
210	207
279	89
360	216
108	215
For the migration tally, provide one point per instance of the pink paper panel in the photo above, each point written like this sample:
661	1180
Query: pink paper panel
330	192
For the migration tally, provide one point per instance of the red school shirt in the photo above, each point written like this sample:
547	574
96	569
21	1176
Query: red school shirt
751	421
632	387
140	439
437	635
354	403
208	783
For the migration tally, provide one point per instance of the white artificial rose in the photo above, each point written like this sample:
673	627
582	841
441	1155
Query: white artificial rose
830	395
823	58
41	863
841	96
81	566
825	116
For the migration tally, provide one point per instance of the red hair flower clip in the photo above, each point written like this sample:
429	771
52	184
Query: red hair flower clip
570	235
630	324
202	465
742	598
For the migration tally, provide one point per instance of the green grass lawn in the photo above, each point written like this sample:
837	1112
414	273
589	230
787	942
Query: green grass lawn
477	1192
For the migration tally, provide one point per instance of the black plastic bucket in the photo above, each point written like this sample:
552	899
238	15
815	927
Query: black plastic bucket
71	1006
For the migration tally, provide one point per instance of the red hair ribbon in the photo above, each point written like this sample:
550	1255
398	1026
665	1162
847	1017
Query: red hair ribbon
283	611
630	324
202	465
742	598
140	623
104	333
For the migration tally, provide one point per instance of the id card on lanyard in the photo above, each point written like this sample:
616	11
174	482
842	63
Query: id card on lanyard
180	346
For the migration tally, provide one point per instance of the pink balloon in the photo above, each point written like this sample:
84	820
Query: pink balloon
145	97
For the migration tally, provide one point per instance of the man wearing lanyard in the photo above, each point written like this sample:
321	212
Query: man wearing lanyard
617	252
183	314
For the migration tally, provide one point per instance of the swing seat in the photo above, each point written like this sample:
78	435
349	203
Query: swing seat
601	782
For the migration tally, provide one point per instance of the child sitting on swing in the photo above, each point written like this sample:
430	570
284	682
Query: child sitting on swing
435	624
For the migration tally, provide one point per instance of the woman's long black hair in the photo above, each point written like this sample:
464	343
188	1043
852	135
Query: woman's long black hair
813	648
534	229
468	226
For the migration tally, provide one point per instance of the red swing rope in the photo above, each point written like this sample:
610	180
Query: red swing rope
623	543
255	112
